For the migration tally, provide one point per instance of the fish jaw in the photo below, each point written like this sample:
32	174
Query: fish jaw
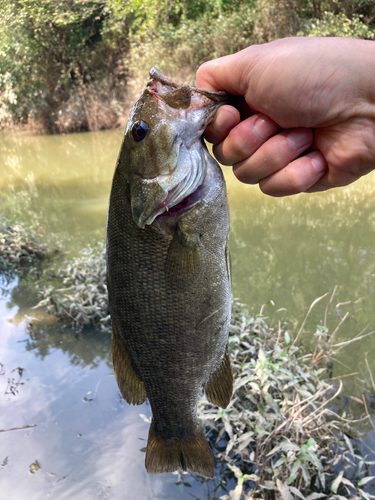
182	115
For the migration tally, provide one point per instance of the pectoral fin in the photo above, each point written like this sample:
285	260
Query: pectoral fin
219	388
131	386
183	257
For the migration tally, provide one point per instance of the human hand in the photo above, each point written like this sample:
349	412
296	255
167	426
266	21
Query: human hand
307	120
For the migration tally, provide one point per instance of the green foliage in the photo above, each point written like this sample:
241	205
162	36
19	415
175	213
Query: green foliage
339	25
281	433
46	48
66	63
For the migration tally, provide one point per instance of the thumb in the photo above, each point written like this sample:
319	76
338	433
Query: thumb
226	73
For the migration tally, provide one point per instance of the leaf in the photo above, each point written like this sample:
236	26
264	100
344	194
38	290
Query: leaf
269	485
261	356
365	480
306	474
280	462
284	490
236	493
311	442
242	381
271	402
314	496
336	483
228	428
245	442
349	444
236	470
287	338
311	456
296	492
251	477
287	446
347	482
294	471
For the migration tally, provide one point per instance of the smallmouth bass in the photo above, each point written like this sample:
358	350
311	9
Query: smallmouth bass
168	271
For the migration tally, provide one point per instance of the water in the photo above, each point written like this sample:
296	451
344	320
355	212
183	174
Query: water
86	440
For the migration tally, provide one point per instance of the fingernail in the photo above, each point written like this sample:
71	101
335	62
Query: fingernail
300	138
318	162
262	128
226	118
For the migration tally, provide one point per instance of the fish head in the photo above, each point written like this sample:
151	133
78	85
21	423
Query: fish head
162	155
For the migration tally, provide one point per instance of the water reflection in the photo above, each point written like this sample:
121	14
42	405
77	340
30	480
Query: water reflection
70	417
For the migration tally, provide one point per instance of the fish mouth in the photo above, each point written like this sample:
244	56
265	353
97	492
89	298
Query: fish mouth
179	92
184	204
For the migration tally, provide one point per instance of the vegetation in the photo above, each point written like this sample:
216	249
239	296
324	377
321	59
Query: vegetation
70	65
19	246
282	436
81	292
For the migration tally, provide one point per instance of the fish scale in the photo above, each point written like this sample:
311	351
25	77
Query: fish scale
168	280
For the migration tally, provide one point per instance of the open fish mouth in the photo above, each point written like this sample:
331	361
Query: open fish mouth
184	204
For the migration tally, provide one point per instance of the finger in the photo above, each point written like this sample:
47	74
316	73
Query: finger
225	119
332	179
244	139
297	177
225	73
273	155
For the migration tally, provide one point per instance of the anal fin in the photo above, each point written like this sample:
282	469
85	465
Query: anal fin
131	386
219	388
190	453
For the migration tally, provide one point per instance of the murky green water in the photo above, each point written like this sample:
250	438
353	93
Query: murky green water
289	251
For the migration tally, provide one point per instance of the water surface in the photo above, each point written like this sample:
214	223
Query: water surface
285	252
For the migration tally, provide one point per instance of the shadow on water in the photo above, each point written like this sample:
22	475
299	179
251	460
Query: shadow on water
86	440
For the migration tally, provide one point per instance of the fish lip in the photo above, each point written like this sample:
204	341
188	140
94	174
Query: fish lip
219	96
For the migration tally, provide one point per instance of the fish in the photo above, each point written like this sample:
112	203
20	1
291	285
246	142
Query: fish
168	271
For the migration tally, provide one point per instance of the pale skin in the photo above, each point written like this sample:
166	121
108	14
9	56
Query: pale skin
307	119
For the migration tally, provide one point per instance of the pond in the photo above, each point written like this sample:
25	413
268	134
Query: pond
83	441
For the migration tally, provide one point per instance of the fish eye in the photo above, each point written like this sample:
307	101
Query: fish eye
139	130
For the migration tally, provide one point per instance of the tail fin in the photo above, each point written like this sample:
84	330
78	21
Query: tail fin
190	454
